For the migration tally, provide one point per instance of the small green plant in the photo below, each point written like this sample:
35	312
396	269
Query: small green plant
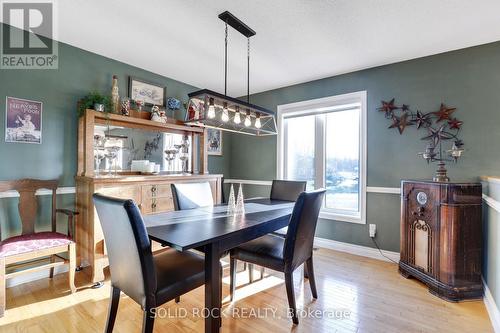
94	98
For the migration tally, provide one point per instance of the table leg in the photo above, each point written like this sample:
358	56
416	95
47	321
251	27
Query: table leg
213	301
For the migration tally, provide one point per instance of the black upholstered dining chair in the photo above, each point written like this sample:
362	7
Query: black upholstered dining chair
286	190
150	280
192	195
288	253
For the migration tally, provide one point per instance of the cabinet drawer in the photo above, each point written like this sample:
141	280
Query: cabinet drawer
156	191
157	205
121	192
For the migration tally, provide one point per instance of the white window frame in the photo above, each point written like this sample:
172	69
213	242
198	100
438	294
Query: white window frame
321	105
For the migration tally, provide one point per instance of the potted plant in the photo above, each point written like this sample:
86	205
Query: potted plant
95	101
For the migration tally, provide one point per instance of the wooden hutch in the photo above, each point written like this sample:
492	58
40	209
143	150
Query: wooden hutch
152	193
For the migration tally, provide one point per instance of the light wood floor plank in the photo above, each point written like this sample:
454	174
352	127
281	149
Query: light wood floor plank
376	297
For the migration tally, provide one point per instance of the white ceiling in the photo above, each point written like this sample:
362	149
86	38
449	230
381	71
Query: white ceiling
296	41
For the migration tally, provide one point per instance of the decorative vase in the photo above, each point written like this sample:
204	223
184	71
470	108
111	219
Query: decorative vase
125	107
115	96
99	107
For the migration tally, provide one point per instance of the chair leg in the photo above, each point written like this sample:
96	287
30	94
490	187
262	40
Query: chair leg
2	287
232	278
312	281
290	292
148	321
262	270
52	260
113	309
250	273
72	267
177	299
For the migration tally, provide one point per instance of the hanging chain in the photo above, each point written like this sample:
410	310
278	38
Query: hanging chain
225	63
248	69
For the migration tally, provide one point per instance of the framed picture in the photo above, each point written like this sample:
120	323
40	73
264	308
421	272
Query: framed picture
214	141
150	93
23	120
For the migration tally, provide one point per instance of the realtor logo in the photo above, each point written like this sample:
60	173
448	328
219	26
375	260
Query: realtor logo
28	35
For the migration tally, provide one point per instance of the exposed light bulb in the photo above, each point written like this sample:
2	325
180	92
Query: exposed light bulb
237	117
225	114
211	109
248	121
257	121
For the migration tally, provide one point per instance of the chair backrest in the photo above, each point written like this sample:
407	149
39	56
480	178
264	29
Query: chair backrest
192	195
28	204
129	249
302	227
287	190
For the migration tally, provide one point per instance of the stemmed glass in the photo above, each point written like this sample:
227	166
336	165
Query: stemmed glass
111	153
99	142
170	154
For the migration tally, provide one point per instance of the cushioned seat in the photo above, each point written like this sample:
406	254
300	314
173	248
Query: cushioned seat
177	273
267	248
281	232
32	242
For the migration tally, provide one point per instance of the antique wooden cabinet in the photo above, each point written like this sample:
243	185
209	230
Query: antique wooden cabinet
152	193
441	237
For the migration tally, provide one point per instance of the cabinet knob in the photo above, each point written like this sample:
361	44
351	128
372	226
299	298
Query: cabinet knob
153	188
419	212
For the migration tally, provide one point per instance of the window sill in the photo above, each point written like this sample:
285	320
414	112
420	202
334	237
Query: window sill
342	218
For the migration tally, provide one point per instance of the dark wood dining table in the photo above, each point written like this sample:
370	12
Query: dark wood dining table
217	231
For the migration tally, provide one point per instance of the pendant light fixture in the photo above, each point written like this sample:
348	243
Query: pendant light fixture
207	108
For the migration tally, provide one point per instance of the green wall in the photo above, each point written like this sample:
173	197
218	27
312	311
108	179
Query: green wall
79	73
468	79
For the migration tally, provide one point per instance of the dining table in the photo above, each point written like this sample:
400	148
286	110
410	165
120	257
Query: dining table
216	230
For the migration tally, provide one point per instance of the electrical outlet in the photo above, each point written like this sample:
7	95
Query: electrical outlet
373	230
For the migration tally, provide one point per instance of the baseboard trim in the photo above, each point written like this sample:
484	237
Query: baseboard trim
30	277
492	308
359	250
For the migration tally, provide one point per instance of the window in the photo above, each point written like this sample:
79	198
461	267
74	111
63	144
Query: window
323	142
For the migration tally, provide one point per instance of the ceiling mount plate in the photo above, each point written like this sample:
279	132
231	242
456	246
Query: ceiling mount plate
237	24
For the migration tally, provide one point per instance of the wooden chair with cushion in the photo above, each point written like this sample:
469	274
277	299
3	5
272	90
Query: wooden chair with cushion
149	279
35	246
286	254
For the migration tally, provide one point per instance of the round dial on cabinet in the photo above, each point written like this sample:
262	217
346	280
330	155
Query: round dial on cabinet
422	198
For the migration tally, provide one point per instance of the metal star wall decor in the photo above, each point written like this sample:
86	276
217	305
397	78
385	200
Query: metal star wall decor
422	119
437	132
388	108
401	122
444	113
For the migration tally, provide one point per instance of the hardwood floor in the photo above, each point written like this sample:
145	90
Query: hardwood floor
373	295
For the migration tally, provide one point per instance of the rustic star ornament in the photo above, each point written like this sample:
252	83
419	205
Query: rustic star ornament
438	134
444	113
422	119
401	123
388	108
455	123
